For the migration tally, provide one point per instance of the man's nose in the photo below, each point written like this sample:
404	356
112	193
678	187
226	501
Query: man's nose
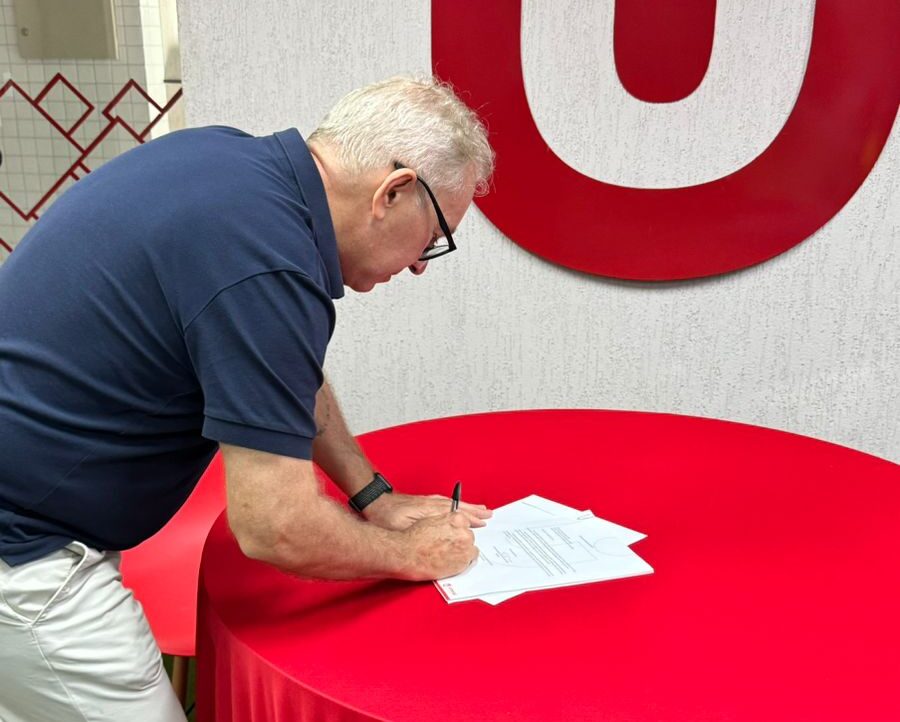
418	268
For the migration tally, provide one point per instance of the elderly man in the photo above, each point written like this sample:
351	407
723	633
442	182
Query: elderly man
178	301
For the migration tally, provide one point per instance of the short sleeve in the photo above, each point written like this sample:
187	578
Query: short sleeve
258	349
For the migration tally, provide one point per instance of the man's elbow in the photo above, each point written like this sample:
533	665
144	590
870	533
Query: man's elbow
260	542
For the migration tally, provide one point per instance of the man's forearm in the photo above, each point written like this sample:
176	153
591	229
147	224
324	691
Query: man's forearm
329	543
334	448
279	515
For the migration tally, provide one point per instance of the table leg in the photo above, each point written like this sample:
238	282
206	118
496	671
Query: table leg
180	668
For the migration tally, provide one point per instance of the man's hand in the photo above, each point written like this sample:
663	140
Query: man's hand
440	546
400	511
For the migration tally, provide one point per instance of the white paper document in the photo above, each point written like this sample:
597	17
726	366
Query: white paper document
535	509
536	543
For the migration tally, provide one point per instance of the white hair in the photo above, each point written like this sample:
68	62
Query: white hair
418	122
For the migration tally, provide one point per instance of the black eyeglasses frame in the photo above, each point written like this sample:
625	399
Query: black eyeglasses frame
451	245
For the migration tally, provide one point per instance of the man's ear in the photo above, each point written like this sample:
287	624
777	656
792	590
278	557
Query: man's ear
391	190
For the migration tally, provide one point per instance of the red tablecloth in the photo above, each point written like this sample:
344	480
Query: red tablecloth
775	597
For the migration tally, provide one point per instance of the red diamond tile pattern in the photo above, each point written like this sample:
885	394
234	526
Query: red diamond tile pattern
118	113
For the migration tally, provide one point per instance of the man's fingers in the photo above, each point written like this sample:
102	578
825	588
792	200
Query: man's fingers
474	521
463	519
479	511
460	521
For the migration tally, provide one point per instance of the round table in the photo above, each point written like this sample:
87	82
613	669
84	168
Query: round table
775	594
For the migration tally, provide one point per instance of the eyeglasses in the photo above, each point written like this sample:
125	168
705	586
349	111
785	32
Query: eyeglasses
438	246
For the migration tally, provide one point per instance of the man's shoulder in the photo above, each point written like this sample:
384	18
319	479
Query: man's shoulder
208	150
207	133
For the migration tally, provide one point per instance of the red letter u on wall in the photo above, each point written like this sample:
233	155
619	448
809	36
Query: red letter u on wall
827	147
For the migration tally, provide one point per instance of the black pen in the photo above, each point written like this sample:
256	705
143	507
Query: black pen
454	503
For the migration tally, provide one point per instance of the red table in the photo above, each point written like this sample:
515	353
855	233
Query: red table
775	597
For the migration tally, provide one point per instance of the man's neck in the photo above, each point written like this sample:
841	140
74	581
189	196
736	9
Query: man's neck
338	192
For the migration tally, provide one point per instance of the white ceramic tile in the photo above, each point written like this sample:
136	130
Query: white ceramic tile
26	128
55	109
22	111
12	148
102	72
29	164
104	91
120	72
133	35
62	148
86	73
75	109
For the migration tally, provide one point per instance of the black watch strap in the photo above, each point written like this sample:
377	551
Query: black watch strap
370	492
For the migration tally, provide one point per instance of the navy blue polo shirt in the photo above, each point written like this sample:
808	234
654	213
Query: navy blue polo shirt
178	296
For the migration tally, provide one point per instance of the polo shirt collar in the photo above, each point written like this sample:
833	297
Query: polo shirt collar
313	192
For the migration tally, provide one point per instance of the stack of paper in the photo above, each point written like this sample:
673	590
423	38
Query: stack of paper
535	543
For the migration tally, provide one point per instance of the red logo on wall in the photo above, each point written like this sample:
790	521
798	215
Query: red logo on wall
827	147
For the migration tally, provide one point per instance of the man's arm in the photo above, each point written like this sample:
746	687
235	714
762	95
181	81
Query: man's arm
340	456
278	515
335	449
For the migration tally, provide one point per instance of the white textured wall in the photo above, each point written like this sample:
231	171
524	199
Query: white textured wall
808	342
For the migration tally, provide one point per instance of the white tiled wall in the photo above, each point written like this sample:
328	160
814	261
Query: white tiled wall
36	155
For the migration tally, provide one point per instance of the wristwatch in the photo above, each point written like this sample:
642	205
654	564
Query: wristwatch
370	492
